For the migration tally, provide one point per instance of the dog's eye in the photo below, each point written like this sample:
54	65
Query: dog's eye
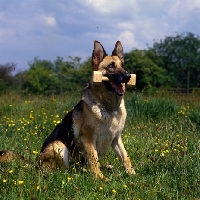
112	65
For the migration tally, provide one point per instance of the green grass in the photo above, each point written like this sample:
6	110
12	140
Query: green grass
161	136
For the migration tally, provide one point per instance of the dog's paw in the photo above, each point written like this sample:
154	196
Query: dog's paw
99	175
130	171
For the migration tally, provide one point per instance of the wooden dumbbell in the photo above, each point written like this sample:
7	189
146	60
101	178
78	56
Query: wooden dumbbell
98	78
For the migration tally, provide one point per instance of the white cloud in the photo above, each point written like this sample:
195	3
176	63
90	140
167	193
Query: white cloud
128	40
182	9
49	20
126	25
102	6
109	6
97	36
62	28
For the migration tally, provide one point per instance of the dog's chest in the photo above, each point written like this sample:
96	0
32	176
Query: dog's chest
108	131
106	123
100	124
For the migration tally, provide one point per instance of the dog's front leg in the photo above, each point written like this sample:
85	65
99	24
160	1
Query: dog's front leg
118	147
92	156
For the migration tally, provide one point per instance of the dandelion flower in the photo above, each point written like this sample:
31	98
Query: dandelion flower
35	152
69	178
11	171
114	191
84	170
20	182
124	186
4	180
101	188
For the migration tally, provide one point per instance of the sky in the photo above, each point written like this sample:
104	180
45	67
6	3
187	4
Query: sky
49	28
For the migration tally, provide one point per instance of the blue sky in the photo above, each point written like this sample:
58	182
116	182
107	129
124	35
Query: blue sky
50	28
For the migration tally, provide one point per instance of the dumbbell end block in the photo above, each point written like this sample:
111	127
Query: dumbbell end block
132	81
98	78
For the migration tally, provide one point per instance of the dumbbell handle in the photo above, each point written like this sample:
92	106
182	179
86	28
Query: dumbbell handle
98	78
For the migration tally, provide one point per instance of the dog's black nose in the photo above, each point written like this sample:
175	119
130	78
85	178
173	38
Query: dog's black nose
126	77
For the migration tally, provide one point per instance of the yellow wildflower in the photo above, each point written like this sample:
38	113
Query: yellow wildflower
20	182
162	154
35	152
84	170
114	191
124	186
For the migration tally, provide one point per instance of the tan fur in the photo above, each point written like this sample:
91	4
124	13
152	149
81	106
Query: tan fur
8	155
97	134
95	123
53	156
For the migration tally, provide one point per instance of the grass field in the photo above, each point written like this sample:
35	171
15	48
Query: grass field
161	136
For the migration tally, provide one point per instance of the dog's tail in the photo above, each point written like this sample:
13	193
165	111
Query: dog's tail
8	155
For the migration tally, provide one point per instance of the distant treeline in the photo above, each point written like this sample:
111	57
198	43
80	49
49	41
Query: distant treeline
170	63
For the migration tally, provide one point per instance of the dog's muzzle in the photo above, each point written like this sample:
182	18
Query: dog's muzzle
116	80
119	77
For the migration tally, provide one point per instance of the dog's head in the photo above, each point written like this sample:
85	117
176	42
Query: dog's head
111	67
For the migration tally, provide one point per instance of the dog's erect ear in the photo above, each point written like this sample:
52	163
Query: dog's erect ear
118	51
98	55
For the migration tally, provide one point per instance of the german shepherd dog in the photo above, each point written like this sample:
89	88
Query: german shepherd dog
95	123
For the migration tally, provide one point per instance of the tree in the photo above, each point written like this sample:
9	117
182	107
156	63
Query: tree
149	75
6	78
39	79
180	56
57	77
75	62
